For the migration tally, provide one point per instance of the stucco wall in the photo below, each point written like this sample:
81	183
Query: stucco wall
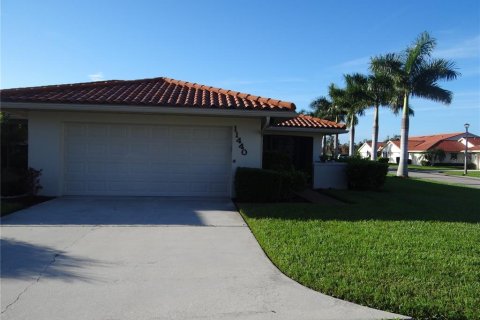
46	139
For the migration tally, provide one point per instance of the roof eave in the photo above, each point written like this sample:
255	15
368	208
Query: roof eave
29	106
305	130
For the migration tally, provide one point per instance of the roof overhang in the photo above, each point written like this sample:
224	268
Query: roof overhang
24	106
285	130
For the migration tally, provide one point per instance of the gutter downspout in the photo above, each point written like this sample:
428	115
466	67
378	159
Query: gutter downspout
265	125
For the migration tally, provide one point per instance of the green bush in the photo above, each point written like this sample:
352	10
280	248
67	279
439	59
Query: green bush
425	163
365	174
471	166
383	160
279	161
292	181
261	185
17	181
258	185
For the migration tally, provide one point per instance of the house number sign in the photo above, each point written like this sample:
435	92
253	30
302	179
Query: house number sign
241	146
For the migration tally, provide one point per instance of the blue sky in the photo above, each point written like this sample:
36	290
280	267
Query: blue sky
289	50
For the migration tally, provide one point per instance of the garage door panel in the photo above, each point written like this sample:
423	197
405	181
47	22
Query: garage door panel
119	159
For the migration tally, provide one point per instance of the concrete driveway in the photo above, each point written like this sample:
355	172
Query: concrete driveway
440	177
148	258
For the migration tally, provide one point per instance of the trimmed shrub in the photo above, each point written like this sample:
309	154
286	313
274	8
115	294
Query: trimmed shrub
20	181
471	166
292	181
364	174
279	161
258	185
383	160
425	163
261	185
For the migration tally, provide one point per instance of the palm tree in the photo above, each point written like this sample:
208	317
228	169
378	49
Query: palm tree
415	74
327	109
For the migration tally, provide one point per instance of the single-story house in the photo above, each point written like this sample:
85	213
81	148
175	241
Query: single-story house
157	137
365	149
452	143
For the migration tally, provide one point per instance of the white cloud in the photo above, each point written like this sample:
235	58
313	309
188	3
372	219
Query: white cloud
469	48
96	76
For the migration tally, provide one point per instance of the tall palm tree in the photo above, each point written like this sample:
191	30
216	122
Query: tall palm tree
415	74
326	108
374	90
352	104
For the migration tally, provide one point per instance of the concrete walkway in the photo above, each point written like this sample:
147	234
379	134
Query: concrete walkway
438	176
148	258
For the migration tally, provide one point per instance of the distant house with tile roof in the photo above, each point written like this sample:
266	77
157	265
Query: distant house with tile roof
365	149
452	143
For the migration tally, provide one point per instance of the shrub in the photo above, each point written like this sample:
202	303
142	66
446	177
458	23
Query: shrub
292	181
471	166
20	181
261	185
425	163
273	160
257	185
383	160
365	174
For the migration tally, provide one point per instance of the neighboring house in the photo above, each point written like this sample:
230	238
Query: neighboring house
365	149
452	143
156	137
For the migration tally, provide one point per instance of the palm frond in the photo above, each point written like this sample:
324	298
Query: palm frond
433	92
420	50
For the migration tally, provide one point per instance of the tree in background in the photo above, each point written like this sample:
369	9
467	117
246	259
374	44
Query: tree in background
415	73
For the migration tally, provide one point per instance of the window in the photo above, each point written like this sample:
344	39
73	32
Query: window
453	156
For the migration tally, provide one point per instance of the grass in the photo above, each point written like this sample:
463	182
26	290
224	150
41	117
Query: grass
474	174
10	207
412	249
426	168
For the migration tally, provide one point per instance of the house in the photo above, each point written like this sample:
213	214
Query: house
453	144
365	149
156	137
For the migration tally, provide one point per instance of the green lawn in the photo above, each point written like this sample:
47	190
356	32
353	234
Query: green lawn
413	248
9	207
426	168
475	174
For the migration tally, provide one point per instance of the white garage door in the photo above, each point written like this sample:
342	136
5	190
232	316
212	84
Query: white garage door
146	160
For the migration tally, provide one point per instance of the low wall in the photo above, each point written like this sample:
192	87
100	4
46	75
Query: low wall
331	175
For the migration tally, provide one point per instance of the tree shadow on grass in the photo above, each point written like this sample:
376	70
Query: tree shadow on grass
26	261
400	200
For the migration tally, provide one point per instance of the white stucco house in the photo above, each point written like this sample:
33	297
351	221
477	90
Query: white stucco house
365	149
452	143
157	137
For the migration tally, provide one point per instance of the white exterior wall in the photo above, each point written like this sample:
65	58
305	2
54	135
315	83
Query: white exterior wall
330	175
365	151
46	149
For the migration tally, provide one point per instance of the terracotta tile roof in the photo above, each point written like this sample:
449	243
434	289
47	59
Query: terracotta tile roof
440	141
380	145
304	121
428	142
450	146
146	92
411	143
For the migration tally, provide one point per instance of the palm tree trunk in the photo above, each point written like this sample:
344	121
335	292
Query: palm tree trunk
351	149
375	134
403	165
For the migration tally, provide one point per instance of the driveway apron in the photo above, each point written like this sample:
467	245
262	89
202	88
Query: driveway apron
148	258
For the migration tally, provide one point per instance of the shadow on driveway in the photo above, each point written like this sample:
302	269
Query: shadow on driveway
128	211
23	260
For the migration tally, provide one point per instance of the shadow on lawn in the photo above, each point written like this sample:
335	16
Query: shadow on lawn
400	200
24	260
